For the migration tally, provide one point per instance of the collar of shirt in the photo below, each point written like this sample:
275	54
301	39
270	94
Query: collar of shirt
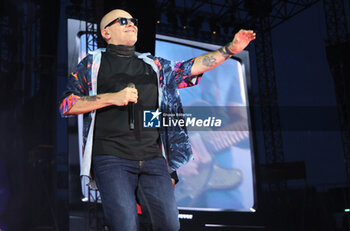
121	50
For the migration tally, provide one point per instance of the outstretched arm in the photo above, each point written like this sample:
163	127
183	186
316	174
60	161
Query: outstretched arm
210	60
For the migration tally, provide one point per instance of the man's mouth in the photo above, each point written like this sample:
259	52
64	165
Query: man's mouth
130	29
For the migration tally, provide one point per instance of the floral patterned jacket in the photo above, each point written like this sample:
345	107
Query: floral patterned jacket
171	76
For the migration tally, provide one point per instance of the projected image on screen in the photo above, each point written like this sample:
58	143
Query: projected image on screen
221	176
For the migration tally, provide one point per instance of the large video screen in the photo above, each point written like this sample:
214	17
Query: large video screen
221	176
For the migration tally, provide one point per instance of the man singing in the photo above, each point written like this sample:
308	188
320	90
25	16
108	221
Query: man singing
132	165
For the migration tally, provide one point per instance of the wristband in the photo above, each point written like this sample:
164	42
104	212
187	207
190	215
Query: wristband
228	51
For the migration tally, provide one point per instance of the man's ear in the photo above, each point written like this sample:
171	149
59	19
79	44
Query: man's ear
105	34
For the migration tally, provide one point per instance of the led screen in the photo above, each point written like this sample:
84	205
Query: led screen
221	175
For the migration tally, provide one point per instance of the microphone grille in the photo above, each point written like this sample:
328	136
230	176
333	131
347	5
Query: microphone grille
131	85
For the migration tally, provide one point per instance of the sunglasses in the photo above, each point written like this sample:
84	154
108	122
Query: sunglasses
122	21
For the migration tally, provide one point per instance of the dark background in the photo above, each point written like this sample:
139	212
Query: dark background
298	61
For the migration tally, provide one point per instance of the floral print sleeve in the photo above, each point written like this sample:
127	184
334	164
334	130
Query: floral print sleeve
181	71
77	86
183	75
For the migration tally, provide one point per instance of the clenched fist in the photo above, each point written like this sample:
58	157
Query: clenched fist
123	97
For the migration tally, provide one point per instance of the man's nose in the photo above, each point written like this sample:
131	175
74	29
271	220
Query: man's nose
130	23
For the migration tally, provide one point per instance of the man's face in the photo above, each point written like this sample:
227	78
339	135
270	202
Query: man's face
118	34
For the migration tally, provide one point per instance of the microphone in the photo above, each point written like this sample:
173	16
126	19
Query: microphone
131	110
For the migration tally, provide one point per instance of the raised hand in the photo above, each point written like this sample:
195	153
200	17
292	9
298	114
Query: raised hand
241	40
